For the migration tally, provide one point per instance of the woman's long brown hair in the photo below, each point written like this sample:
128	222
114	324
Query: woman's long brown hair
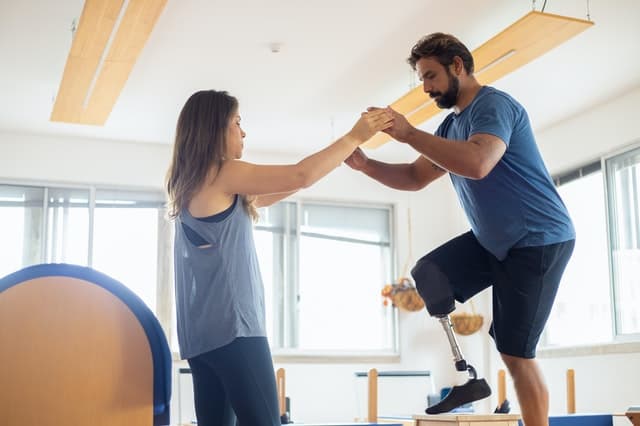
199	147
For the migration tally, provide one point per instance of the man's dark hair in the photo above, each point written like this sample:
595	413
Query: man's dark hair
443	47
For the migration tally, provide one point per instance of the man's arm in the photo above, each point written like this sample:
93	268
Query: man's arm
473	158
408	177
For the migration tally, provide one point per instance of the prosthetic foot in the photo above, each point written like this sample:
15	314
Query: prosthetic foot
473	390
435	289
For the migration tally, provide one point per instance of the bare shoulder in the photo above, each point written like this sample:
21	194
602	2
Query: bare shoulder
210	198
232	170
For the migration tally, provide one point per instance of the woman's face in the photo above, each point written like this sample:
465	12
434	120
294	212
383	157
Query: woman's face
235	136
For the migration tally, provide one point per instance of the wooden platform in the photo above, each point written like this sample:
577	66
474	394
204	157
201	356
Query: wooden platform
346	424
404	421
467	420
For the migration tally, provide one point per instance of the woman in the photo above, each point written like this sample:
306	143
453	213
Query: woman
213	197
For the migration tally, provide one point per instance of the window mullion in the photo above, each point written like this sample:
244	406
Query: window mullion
164	271
92	211
65	228
279	279
624	237
635	194
45	225
293	292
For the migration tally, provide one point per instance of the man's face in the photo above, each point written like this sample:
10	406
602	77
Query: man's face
438	82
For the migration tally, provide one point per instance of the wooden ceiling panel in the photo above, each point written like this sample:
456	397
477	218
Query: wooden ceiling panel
528	38
87	98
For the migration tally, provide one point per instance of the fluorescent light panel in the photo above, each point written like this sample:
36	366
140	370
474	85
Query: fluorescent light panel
109	38
523	41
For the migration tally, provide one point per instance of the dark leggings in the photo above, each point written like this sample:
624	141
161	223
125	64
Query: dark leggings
236	380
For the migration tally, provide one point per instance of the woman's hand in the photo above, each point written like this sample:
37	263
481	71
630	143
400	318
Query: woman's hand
370	123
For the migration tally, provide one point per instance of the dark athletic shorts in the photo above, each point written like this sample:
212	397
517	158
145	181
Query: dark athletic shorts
524	284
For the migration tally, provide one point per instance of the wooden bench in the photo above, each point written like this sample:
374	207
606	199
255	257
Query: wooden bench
467	420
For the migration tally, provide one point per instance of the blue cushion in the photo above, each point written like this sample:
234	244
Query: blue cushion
580	420
160	352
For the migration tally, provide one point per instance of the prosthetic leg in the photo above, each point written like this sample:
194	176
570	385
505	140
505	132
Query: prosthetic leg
437	293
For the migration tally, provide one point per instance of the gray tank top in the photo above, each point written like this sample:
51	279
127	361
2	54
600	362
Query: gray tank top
219	291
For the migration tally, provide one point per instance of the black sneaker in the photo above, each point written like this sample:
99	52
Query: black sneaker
503	408
473	390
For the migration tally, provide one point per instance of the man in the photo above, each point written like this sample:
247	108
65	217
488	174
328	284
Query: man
521	235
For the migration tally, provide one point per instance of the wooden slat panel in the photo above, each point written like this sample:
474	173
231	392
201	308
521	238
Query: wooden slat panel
414	99
457	422
403	422
536	35
96	25
473	419
282	393
502	386
571	391
372	407
132	34
135	28
525	40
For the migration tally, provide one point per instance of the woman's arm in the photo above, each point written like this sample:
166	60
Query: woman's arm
240	177
267	200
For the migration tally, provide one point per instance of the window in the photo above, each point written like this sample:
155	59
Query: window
623	198
600	290
21	227
582	310
125	240
115	232
67	224
323	266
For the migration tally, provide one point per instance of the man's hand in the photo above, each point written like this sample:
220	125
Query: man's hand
401	128
357	160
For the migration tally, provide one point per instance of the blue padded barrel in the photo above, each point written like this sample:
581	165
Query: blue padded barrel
160	352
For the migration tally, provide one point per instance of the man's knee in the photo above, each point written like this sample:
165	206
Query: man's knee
518	365
434	287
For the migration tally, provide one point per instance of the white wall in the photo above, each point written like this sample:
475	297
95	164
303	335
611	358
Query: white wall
77	160
597	131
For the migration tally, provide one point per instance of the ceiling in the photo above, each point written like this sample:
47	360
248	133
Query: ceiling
335	58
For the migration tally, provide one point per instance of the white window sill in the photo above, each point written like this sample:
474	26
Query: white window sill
329	357
319	357
589	350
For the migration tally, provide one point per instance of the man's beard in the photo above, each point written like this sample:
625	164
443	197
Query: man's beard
449	98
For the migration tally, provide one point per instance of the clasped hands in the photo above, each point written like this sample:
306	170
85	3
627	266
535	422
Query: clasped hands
401	129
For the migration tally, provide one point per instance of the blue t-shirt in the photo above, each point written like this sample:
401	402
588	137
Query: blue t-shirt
516	204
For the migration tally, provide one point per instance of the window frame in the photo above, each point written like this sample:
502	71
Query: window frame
619	343
164	284
609	208
285	354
